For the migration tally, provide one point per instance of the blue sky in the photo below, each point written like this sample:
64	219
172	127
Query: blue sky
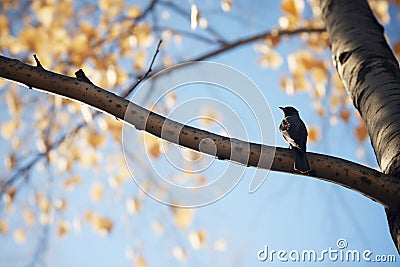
287	212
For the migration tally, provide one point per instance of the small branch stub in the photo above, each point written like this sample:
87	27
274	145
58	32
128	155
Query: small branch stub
80	75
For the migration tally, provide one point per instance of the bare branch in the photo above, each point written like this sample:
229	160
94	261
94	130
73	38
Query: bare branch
257	37
380	187
147	72
80	75
37	62
22	170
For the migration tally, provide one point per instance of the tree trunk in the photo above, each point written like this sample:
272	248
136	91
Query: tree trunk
371	75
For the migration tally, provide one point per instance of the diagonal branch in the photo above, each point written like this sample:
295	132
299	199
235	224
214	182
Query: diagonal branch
380	187
141	78
260	36
224	48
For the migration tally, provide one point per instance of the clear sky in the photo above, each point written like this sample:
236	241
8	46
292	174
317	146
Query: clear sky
288	212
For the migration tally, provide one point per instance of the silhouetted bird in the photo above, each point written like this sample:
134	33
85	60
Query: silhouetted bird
295	133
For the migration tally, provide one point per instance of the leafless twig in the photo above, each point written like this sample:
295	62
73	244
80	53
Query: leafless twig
147	73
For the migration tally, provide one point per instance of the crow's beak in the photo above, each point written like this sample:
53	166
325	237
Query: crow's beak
282	108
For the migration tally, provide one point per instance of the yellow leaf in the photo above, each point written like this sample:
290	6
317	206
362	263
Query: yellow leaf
10	161
209	116
60	204
179	253
345	115
111	75
197	239
301	83
114	127
133	205
13	102
361	131
29	217
62	228
318	41
319	75
319	91
171	99
94	138
167	61
203	23
272	39
220	245
9	128
140	261
3	226
89	159
396	2
226	5
42	201
293	7
396	49
140	60
45	14
112	8
69	183
153	145
271	59
27	39
194	16
287	84
87	114
4	26
102	225
381	10
313	134
142	32
10	194
45	218
191	155
320	110
80	49
183	217
117	180
96	192
19	236
157	227
335	101
133	12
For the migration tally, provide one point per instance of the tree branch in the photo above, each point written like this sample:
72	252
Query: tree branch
141	78
380	187
25	168
246	40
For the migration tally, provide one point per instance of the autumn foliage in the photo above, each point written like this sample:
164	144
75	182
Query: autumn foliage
55	149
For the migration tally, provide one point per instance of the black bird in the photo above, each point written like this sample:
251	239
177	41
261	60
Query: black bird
295	133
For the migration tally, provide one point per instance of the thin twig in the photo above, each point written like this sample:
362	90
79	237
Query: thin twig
147	73
81	76
37	62
257	37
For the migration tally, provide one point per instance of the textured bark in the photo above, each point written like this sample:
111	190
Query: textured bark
379	187
371	75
